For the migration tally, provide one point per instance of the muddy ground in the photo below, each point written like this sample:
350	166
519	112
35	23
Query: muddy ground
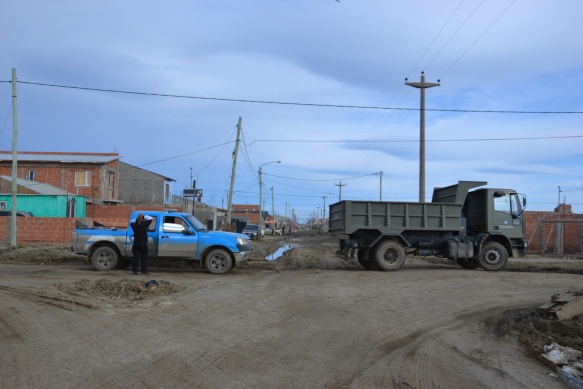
505	314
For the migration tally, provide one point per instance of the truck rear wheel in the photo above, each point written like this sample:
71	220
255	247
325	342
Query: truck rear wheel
493	256
390	255
468	263
104	258
219	261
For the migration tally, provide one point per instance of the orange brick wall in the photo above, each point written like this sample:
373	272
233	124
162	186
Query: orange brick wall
55	231
541	231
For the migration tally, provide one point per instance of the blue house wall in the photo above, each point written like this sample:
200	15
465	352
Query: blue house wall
46	205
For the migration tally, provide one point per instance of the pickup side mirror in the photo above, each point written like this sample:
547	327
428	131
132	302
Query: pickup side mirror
188	231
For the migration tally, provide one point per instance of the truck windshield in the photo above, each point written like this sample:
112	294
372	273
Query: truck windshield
195	223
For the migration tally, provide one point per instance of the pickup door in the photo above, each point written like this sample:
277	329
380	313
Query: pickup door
175	240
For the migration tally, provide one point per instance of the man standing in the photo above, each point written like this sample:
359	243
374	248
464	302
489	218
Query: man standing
140	246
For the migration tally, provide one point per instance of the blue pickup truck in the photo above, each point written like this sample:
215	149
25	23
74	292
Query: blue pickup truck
171	235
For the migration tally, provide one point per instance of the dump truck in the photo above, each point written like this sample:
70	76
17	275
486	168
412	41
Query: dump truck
476	228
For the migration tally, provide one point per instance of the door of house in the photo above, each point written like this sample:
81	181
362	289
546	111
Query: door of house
71	208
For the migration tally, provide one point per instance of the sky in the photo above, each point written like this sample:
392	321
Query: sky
318	84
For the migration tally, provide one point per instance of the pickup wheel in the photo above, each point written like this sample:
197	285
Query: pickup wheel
104	258
219	261
493	256
390	255
468	263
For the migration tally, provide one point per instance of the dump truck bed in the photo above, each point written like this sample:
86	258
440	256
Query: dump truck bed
347	217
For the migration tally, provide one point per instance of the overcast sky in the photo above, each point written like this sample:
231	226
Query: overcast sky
197	66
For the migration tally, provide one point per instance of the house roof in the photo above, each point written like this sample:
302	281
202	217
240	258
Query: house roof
30	156
39	187
136	167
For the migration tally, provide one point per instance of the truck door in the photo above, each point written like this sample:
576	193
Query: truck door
177	239
506	216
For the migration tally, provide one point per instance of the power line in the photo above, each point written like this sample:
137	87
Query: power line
333	179
413	140
477	39
296	103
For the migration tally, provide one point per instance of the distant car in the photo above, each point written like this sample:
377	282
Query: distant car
251	230
18	213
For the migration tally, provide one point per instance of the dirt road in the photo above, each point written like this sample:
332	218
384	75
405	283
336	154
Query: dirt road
428	325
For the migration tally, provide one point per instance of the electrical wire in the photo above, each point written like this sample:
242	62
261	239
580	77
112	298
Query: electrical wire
307	179
414	140
477	39
299	104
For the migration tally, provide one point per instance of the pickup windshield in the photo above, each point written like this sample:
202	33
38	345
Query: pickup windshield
195	223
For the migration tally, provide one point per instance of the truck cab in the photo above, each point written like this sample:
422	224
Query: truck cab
498	213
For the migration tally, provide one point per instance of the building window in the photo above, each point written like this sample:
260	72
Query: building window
31	175
3	205
83	177
110	180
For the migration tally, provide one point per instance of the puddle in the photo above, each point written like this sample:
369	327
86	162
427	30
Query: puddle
279	252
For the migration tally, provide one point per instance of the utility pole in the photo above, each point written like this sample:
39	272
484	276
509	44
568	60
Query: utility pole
422	86
340	195
14	160
381	193
324	210
230	201
260	200
273	211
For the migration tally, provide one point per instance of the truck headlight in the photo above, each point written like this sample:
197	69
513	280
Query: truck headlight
243	241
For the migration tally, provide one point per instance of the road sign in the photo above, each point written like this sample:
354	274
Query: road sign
188	193
198	193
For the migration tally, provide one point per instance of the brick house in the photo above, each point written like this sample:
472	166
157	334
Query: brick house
248	213
94	176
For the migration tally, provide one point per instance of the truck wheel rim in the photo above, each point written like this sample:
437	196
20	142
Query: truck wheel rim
218	262
104	259
390	256
492	257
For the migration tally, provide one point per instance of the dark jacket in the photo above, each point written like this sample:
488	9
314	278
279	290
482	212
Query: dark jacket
141	230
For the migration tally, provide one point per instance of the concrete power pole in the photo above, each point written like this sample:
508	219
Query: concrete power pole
233	171
340	194
273	211
14	160
422	86
381	184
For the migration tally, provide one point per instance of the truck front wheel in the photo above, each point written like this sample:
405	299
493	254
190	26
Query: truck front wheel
390	255
493	256
104	258
219	262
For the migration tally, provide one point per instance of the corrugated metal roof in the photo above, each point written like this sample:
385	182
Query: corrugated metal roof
39	187
60	157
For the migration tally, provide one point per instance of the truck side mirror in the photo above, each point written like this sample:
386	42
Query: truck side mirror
188	231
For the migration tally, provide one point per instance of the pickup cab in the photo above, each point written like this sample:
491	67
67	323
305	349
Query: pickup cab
171	235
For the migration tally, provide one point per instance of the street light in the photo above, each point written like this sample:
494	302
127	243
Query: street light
261	197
